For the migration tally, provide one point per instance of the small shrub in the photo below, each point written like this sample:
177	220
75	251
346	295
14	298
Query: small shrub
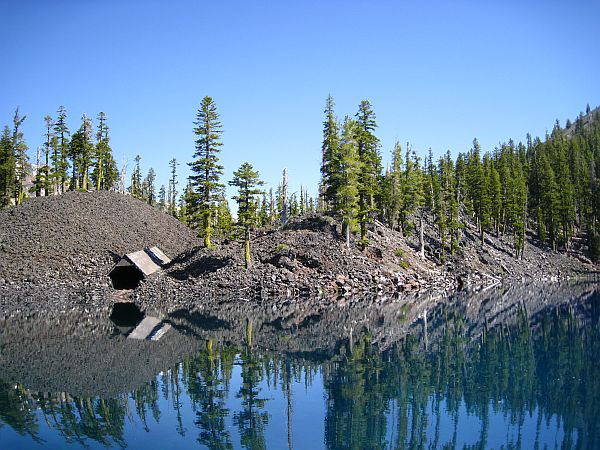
404	264
282	248
399	253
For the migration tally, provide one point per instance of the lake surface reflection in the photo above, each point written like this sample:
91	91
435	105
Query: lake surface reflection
515	367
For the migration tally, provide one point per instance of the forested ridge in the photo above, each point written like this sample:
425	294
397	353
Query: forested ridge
545	189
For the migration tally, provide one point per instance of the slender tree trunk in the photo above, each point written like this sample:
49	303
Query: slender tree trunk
247	256
422	238
346	232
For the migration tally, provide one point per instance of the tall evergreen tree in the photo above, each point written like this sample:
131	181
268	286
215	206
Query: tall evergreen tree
7	168
21	158
206	169
60	164
247	180
81	151
49	145
172	192
393	189
347	167
224	219
329	149
149	195
162	198
135	189
105	171
370	166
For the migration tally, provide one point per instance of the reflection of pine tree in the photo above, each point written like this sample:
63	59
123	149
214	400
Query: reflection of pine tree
251	421
356	404
15	413
210	392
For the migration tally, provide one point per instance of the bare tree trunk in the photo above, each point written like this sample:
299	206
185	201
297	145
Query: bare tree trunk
346	232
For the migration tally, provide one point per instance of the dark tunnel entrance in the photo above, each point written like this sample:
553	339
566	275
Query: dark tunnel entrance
126	277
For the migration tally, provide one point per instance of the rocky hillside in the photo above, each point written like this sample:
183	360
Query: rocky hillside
78	236
56	252
308	258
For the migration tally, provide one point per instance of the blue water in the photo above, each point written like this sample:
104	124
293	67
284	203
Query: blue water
530	382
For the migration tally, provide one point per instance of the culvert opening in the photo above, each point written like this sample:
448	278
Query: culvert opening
126	315
126	277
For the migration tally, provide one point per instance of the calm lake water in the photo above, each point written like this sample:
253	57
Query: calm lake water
513	367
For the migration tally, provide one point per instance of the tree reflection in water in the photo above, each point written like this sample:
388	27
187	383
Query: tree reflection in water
465	389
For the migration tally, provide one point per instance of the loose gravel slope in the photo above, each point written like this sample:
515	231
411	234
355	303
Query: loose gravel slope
79	235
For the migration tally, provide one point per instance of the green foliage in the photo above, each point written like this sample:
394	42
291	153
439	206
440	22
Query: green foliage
81	152
370	166
330	158
282	248
172	192
21	159
136	179
7	168
148	188
60	164
224	220
399	252
105	173
206	169
247	180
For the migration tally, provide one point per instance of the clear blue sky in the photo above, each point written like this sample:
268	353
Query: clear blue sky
437	73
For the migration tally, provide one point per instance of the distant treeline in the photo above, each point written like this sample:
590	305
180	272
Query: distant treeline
550	188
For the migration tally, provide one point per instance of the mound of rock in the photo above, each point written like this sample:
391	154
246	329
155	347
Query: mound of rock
305	258
78	236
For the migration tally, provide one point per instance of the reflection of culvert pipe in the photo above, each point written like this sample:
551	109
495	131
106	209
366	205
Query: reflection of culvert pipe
126	315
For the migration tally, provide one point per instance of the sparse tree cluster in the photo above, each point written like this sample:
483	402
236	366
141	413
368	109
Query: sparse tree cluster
64	161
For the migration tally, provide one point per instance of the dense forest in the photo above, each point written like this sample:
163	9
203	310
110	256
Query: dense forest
547	189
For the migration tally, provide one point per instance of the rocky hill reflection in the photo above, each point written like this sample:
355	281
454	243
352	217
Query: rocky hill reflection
394	373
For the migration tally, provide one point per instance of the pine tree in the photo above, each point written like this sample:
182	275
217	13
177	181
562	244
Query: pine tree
272	207
81	151
412	197
38	182
135	189
329	149
370	166
348	167
172	192
393	189
162	198
49	145
478	188
494	190
105	171
19	148
224	222
150	190
448	200
263	215
60	164
247	180
282	200
7	168
185	205
205	168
